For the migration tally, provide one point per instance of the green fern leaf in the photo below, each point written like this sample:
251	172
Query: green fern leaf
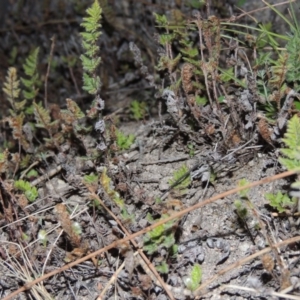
292	136
92	23
90	60
30	94
90	84
161	20
90	49
178	175
31	61
124	142
89	38
90	64
293	59
290	164
292	141
32	81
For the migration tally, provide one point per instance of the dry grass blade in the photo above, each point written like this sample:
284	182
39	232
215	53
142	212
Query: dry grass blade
24	272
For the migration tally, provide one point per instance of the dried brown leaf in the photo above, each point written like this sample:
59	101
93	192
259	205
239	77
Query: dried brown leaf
186	77
268	262
66	223
263	129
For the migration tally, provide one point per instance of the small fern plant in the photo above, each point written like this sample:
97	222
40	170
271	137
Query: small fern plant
90	59
292	140
32	80
181	179
291	161
90	62
29	191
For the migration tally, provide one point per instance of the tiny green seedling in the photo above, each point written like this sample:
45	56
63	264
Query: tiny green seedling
191	148
42	236
123	141
161	236
280	201
163	268
138	109
30	192
192	281
180	179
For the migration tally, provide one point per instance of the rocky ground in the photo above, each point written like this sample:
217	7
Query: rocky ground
216	236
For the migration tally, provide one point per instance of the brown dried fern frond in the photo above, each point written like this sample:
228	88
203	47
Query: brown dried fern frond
74	109
279	71
11	86
42	116
16	124
4	161
186	77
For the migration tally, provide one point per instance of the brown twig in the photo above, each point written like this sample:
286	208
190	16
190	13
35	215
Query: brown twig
48	71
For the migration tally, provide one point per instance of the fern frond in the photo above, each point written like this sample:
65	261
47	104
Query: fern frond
32	81
30	94
279	71
290	164
91	85
91	23
42	116
292	136
4	161
74	109
90	49
292	141
20	105
89	38
11	86
90	59
292	47
30	64
89	64
180	178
